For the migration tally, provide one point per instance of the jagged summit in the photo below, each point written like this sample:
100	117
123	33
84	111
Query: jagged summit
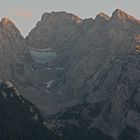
61	15
6	21
117	11
8	27
117	16
101	17
120	15
12	49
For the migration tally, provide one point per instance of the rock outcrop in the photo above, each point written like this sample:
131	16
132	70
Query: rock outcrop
57	31
13	52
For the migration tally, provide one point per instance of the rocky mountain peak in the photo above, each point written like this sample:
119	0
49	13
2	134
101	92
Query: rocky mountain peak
123	17
7	26
13	51
5	21
61	17
119	14
64	25
102	16
77	19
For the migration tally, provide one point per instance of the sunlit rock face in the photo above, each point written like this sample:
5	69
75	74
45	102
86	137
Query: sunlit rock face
13	53
15	60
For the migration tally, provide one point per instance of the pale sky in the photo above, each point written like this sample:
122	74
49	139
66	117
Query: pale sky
26	13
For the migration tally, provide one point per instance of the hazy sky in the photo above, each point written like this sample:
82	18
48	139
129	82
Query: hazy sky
25	13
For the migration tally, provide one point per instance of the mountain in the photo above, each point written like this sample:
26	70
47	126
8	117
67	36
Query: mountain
51	43
99	60
13	52
16	63
83	74
20	119
58	32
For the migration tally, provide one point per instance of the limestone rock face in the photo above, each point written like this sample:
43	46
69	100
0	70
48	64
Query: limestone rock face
106	72
125	21
88	67
57	31
55	36
13	53
79	67
55	27
100	60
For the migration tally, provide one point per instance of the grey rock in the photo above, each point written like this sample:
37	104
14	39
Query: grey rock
102	67
98	61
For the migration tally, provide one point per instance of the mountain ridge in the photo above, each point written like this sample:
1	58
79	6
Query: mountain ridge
89	65
116	14
68	39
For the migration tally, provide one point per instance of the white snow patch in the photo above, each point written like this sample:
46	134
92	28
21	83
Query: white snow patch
9	84
50	83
